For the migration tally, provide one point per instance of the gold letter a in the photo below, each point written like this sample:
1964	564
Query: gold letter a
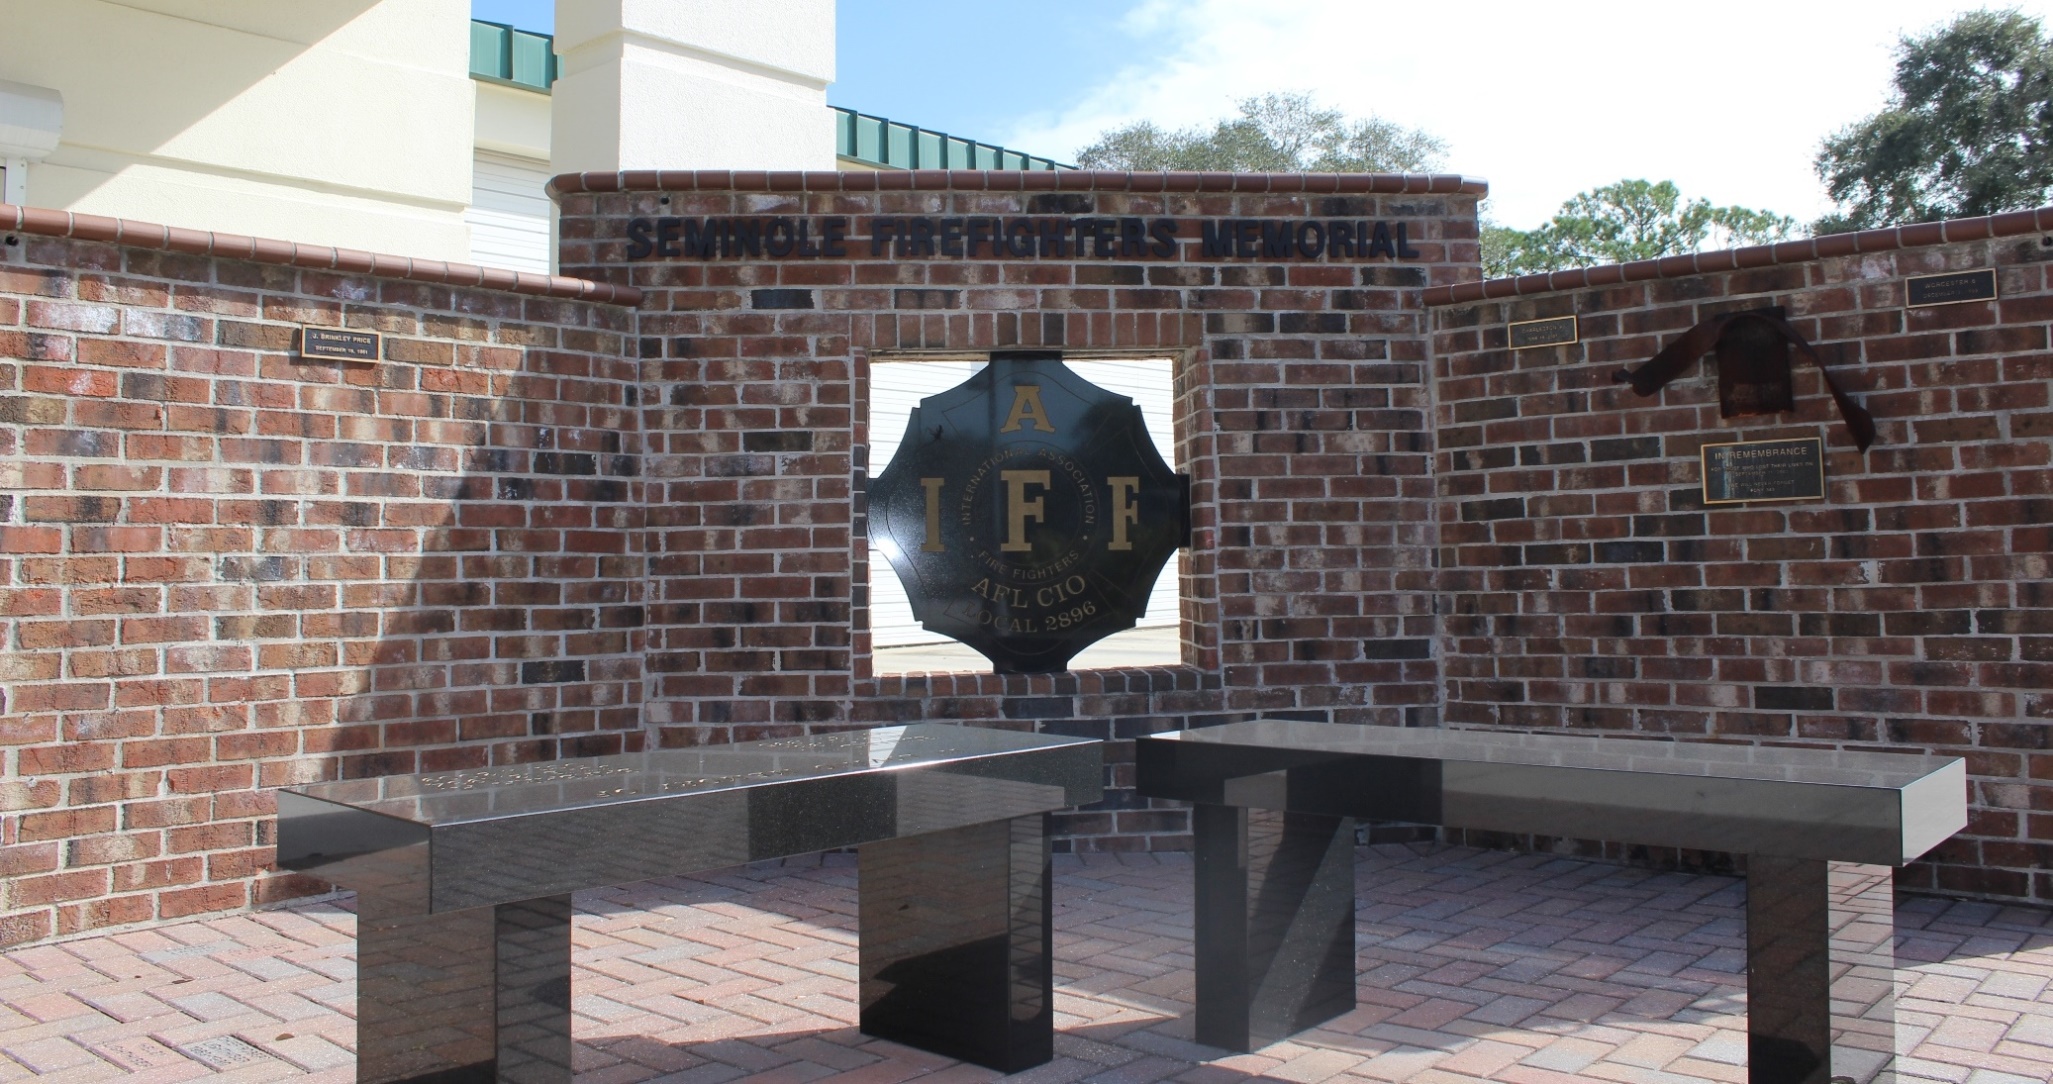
1026	407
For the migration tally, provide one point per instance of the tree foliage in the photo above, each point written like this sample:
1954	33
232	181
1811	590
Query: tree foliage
1279	133
1968	130
1628	220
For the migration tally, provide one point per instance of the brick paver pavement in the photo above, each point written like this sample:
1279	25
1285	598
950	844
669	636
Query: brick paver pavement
1476	966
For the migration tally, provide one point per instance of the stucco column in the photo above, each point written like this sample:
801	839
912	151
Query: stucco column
693	84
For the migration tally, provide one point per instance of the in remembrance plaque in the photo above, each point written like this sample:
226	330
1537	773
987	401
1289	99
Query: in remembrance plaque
1764	470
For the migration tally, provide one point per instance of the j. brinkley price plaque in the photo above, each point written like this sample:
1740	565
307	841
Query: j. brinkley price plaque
337	344
1764	470
1028	513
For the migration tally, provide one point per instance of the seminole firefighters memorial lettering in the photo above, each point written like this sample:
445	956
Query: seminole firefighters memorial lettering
1057	237
1028	513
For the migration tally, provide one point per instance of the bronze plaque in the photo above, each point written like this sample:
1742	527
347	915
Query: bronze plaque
1764	470
1952	288
1557	331
338	344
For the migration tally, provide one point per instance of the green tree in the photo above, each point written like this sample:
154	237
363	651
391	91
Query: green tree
1968	129
1625	221
1280	133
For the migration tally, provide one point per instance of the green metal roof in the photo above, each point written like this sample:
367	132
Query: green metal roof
520	58
893	145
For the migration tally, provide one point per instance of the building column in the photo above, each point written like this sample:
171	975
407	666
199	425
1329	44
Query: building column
693	84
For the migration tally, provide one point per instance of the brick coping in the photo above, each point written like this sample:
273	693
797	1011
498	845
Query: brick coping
998	180
1888	238
235	246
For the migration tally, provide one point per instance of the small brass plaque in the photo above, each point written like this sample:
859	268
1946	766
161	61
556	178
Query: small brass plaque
1953	288
1556	331
338	344
1764	470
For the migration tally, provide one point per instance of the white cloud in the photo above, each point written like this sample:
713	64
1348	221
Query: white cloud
1543	99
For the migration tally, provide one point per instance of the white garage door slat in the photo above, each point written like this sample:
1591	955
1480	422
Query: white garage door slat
898	386
509	213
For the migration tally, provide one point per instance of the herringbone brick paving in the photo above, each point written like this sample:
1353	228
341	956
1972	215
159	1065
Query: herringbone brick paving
1476	966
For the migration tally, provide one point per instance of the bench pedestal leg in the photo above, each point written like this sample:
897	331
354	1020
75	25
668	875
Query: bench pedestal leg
424	997
465	997
534	991
1863	972
1789	971
957	943
1275	923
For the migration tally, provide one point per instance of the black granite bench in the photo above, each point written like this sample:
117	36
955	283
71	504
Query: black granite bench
464	881
1274	803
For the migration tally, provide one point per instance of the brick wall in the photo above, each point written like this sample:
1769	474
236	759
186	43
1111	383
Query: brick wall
1587	588
224	569
544	526
1303	413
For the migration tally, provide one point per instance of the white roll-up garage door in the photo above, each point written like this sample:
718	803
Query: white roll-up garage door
509	212
898	386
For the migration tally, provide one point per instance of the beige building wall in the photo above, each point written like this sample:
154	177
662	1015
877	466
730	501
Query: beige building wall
512	120
694	84
512	220
342	122
356	122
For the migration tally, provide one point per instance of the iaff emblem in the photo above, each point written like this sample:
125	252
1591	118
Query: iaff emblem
1027	512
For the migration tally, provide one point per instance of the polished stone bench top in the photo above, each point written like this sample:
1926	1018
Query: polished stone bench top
445	841
1841	805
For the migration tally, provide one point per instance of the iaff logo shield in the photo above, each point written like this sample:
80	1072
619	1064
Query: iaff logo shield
1028	513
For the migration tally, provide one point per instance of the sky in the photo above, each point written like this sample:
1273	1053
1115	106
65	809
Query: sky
1542	99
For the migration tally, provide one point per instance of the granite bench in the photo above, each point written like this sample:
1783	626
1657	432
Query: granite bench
1275	802
464	881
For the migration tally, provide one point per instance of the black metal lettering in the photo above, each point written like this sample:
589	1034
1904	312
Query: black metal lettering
921	242
638	245
779	238
806	245
700	234
1133	238
1163	232
1081	229
1247	235
1311	240
980	231
1340	239
1019	237
1215	238
1379	242
666	236
1054	236
951	237
1101	236
882	230
834	237
1276	240
748	237
1404	249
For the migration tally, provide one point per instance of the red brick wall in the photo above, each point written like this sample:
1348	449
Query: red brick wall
1303	413
547	528
1587	588
224	569
227	569
543	527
